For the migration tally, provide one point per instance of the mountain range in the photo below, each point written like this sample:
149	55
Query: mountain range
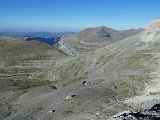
41	34
97	74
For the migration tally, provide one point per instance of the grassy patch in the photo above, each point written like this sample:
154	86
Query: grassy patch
97	82
11	52
31	84
62	73
103	59
142	64
82	77
16	70
131	77
137	59
37	57
123	89
139	81
42	75
70	69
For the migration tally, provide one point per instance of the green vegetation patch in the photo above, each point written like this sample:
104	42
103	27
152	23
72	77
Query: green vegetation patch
123	89
103	59
37	57
140	67
70	69
31	84
137	59
97	81
83	76
11	52
44	74
140	80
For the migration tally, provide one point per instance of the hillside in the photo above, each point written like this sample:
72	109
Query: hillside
91	39
103	84
20	59
10	38
104	34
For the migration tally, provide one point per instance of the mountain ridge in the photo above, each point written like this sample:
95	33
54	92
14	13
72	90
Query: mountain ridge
91	39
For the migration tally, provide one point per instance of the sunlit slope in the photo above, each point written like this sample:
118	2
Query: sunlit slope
125	69
92	39
20	59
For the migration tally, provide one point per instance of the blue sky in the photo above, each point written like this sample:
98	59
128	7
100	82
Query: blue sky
75	15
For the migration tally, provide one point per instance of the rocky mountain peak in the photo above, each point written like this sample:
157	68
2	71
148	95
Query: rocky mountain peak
154	27
103	32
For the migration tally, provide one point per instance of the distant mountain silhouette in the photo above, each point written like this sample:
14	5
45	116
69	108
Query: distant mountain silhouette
37	34
46	37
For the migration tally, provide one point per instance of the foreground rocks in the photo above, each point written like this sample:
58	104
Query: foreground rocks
147	114
69	97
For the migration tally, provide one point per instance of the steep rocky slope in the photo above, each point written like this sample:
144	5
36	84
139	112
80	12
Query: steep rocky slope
120	77
91	39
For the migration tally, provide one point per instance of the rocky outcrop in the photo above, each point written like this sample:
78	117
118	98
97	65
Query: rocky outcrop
154	27
66	47
148	114
152	32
